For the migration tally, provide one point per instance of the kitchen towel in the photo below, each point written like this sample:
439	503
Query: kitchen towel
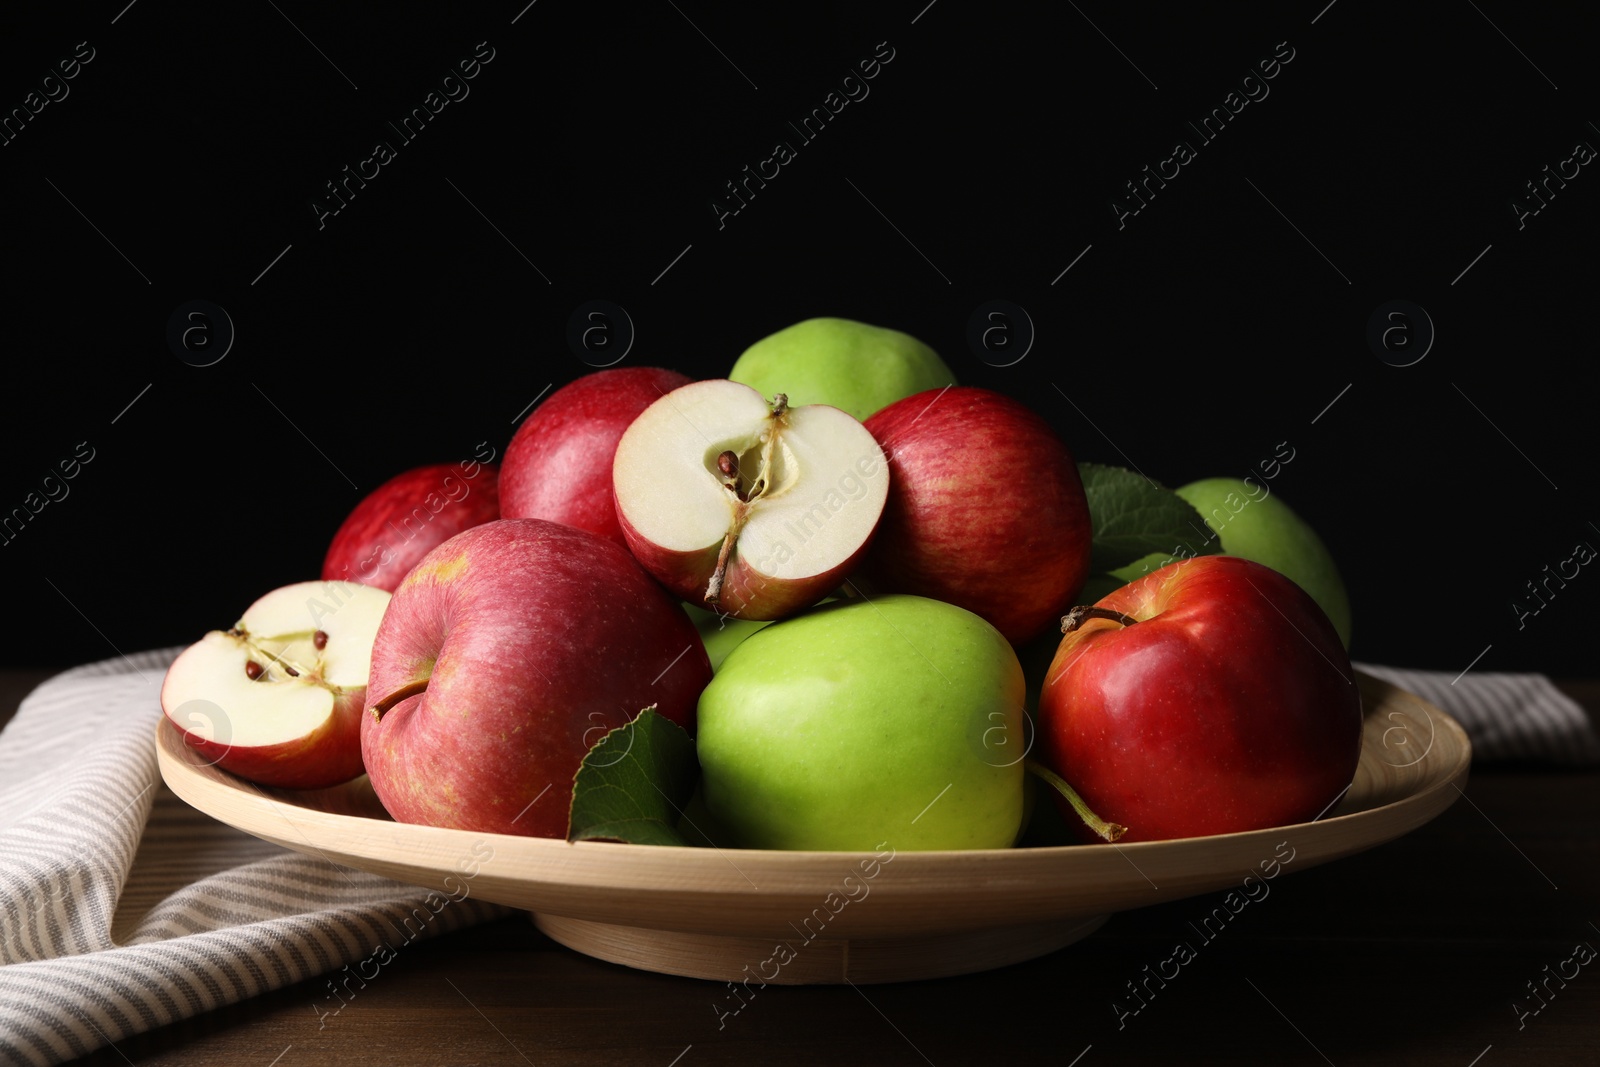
122	909
1507	716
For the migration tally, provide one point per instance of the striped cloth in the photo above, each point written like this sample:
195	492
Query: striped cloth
102	935
1508	716
122	909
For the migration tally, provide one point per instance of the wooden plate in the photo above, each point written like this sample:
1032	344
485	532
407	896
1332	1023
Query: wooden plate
809	917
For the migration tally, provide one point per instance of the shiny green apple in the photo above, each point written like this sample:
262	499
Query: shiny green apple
721	634
847	364
1252	521
894	720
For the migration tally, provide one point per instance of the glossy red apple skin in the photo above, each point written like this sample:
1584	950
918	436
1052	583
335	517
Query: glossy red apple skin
558	465
986	509
1231	705
402	520
539	637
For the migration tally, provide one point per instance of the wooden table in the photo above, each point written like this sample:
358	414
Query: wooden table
1419	952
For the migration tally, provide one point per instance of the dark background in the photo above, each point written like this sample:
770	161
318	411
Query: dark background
423	318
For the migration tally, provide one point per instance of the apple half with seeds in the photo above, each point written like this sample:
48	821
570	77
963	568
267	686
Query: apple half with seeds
277	699
751	509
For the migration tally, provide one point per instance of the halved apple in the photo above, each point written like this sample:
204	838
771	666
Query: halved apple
277	699
755	510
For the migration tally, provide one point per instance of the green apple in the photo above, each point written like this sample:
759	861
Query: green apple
721	634
1252	522
858	723
850	365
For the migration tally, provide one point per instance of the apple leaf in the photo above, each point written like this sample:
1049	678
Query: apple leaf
634	783
1134	517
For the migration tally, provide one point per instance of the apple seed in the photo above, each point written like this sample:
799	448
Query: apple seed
252	670
320	640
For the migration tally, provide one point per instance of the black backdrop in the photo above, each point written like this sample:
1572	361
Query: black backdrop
1229	314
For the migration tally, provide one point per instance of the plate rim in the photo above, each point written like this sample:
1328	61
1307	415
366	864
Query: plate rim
589	880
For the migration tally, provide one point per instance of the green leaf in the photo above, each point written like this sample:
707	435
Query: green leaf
634	783
1133	517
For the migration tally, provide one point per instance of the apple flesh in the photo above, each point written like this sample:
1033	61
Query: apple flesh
752	510
986	509
399	522
1211	696
860	723
277	698
854	366
506	654
558	465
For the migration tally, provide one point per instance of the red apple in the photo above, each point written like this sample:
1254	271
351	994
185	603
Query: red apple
1209	697
505	655
399	522
751	509
986	509
277	698
558	465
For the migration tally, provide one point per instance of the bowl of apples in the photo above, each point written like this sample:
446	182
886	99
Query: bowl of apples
748	679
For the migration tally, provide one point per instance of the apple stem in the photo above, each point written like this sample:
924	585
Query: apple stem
1106	831
1084	612
714	586
763	479
410	689
728	464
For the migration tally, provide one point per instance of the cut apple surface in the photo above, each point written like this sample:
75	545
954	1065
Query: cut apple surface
277	698
753	509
